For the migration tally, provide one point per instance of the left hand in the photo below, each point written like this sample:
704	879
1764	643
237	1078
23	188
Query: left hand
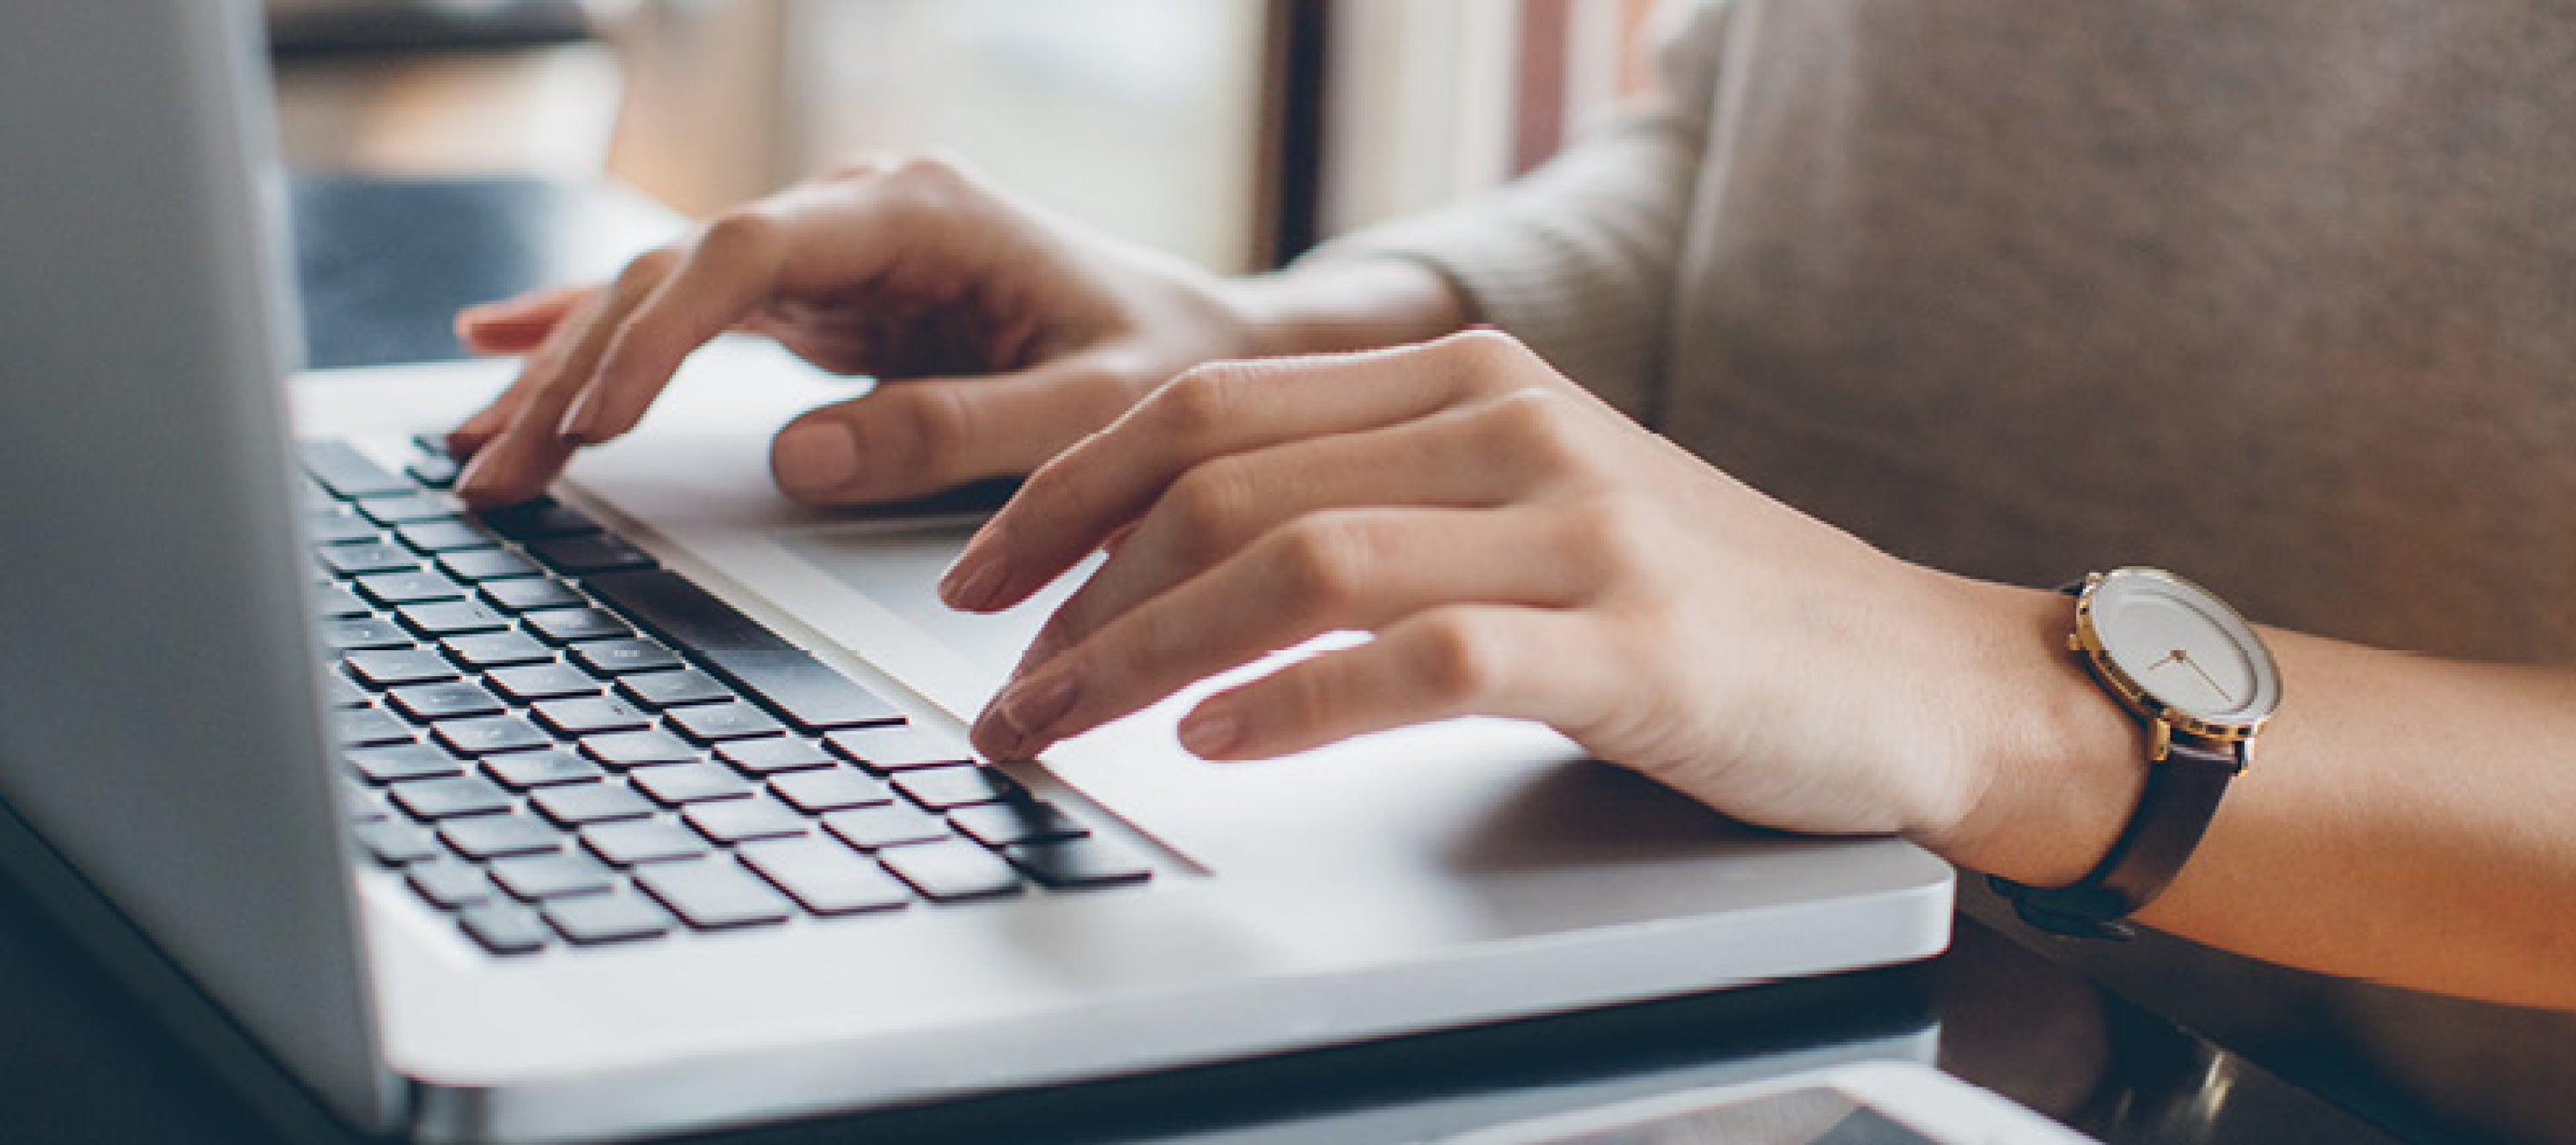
1517	548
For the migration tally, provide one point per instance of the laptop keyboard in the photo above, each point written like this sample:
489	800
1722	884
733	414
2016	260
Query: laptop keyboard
558	742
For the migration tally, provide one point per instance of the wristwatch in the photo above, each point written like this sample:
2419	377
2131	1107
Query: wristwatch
2186	664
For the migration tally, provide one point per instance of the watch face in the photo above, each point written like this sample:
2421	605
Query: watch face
2183	647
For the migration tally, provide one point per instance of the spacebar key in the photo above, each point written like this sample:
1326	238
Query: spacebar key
779	674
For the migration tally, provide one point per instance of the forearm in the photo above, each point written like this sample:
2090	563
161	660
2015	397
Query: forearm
2405	819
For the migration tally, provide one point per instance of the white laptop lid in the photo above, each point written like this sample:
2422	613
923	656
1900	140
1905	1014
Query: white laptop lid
158	720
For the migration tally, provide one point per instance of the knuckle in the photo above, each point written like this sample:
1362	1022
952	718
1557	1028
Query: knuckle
1209	505
930	174
1325	560
1618	529
1541	428
1196	407
643	272
1485	354
738	234
939	427
1458	659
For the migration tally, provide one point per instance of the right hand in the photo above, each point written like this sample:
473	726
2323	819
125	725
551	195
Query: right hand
1002	336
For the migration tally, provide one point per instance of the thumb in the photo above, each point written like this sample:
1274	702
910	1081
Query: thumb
911	438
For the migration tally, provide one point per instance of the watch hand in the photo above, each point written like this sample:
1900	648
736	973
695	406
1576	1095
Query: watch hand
2205	677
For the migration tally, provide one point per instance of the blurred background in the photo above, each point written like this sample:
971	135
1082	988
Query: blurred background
1234	133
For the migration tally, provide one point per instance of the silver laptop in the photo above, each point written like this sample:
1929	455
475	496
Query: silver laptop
648	810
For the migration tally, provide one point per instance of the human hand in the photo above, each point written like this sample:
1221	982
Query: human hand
1517	548
1003	335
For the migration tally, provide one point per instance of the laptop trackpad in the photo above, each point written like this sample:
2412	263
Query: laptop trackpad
897	565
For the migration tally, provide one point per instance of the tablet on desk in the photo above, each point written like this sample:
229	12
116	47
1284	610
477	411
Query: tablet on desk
1874	1103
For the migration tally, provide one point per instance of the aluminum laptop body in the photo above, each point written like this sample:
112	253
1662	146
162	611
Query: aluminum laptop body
1467	872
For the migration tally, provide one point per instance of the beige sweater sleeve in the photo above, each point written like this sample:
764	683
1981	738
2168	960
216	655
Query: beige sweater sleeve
1578	258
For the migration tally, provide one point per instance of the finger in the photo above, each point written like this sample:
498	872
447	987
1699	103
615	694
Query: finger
1447	460
1115	476
517	325
469	439
730	272
1540	664
1349	569
526	454
911	438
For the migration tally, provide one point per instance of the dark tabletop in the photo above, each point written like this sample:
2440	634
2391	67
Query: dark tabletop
2148	1042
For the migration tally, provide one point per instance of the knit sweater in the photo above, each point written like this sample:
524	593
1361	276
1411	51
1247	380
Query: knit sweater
2279	294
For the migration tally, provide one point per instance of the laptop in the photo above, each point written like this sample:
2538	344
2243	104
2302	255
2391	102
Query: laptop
648	809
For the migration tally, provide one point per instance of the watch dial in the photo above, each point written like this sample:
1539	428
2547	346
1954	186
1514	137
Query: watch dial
2185	648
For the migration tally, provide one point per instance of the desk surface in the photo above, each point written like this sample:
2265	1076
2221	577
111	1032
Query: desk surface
386	264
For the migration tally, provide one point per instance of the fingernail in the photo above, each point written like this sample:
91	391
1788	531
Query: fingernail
976	578
1030	709
1211	734
575	427
817	458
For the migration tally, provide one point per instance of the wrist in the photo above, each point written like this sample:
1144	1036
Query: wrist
2057	764
1360	304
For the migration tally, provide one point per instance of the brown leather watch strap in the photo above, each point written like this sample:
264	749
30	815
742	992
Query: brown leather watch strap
2174	810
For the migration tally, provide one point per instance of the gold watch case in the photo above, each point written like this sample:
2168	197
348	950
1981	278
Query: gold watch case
2163	646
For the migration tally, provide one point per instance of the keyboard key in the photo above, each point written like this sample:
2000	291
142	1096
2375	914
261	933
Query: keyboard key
617	657
392	589
336	526
941	788
539	519
444	536
834	789
529	594
1069	863
437	471
346	472
426	702
566	625
773	754
893	824
535	877
659	690
737	820
1016	821
491	836
396	668
448	884
674	784
824	876
487	564
340	604
366	557
504	928
394	842
542	682
586	803
618	916
363	634
755	659
495	650
339	691
899	748
594	553
368	727
407	508
709	723
590	714
404	761
451	618
630	749
951	870
447	798
521	770
635	841
487	735
713	893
